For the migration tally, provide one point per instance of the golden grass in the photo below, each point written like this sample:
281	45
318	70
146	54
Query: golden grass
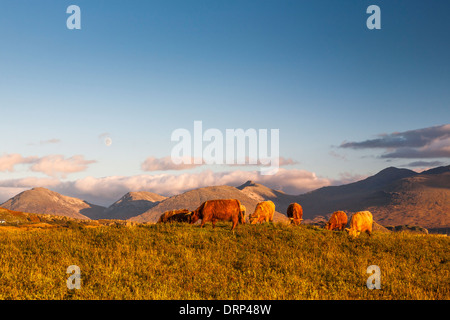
271	261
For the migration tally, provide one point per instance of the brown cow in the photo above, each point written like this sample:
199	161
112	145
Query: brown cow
180	215
214	210
295	213
264	211
362	221
338	221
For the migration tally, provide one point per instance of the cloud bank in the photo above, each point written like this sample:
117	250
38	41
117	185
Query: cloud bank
106	190
426	164
432	142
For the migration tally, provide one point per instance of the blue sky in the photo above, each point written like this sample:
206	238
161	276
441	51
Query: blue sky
138	70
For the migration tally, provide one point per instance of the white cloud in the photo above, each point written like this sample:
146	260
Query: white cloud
51	165
9	161
58	166
166	164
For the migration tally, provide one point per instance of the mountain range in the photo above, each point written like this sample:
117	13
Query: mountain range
394	196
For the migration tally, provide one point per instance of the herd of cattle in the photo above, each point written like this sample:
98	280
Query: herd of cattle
232	210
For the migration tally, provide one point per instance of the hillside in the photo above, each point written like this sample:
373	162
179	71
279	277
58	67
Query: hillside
10	217
191	200
25	221
422	200
44	201
132	204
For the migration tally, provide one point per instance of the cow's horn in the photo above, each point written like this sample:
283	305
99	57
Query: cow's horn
189	213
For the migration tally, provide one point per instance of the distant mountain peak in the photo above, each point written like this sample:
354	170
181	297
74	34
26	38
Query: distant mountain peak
132	204
42	189
388	175
393	170
142	195
44	201
249	183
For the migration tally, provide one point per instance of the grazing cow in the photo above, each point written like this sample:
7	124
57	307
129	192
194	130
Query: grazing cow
295	213
214	210
264	211
180	215
361	222
338	221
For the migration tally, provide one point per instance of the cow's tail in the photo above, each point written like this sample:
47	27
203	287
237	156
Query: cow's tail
241	217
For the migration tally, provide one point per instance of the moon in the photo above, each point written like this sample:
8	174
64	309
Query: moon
108	141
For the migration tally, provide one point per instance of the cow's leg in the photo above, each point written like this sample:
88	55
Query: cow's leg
203	224
213	223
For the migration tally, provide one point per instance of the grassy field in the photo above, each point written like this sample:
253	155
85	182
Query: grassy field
271	261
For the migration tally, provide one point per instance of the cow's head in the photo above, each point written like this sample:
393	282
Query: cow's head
162	218
253	219
353	233
295	221
193	216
